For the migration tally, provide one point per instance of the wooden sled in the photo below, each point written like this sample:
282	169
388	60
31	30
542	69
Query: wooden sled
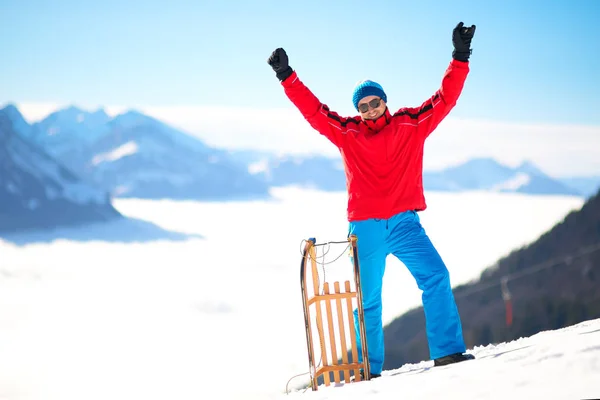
342	303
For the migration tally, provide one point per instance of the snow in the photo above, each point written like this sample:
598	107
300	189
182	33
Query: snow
561	364
124	150
519	180
178	300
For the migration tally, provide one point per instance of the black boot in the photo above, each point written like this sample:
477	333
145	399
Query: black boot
452	358
373	376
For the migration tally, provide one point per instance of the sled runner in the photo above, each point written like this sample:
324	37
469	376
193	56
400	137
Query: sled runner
323	309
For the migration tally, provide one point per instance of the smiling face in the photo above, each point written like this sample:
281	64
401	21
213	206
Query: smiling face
369	107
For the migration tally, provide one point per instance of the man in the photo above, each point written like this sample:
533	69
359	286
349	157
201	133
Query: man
383	160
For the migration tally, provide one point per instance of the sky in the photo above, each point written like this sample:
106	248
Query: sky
201	66
171	301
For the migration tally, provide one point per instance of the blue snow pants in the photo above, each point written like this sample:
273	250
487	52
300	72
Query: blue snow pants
403	236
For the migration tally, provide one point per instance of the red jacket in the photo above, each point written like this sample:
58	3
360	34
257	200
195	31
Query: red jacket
383	159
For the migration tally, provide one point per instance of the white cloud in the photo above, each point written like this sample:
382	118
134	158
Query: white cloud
559	150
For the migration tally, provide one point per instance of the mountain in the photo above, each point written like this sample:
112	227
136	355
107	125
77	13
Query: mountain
36	192
488	174
142	157
18	123
309	171
552	283
68	129
327	173
134	155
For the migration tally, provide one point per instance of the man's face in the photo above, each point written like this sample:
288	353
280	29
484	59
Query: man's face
369	107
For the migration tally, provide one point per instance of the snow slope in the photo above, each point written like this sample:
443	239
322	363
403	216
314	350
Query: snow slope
561	364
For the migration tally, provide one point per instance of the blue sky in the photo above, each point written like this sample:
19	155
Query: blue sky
533	62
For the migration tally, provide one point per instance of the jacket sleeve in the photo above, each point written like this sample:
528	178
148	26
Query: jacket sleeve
429	115
318	115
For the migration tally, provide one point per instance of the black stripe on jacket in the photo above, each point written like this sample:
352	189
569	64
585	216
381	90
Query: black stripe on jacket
422	110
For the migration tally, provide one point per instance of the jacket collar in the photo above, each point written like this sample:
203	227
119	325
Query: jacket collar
375	125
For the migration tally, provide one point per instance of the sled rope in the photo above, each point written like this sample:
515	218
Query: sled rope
287	391
325	252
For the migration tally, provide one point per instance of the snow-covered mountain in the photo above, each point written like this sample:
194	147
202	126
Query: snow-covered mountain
134	155
69	130
18	123
142	157
310	171
488	174
36	192
326	173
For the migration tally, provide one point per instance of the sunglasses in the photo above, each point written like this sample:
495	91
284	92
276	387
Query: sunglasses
364	107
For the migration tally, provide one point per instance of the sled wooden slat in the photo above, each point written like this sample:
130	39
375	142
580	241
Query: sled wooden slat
331	296
332	342
347	367
353	345
340	315
314	299
315	276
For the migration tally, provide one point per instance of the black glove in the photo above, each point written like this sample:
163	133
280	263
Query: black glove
461	39
279	62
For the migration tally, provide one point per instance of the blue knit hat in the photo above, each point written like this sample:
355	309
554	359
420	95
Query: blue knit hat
367	88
